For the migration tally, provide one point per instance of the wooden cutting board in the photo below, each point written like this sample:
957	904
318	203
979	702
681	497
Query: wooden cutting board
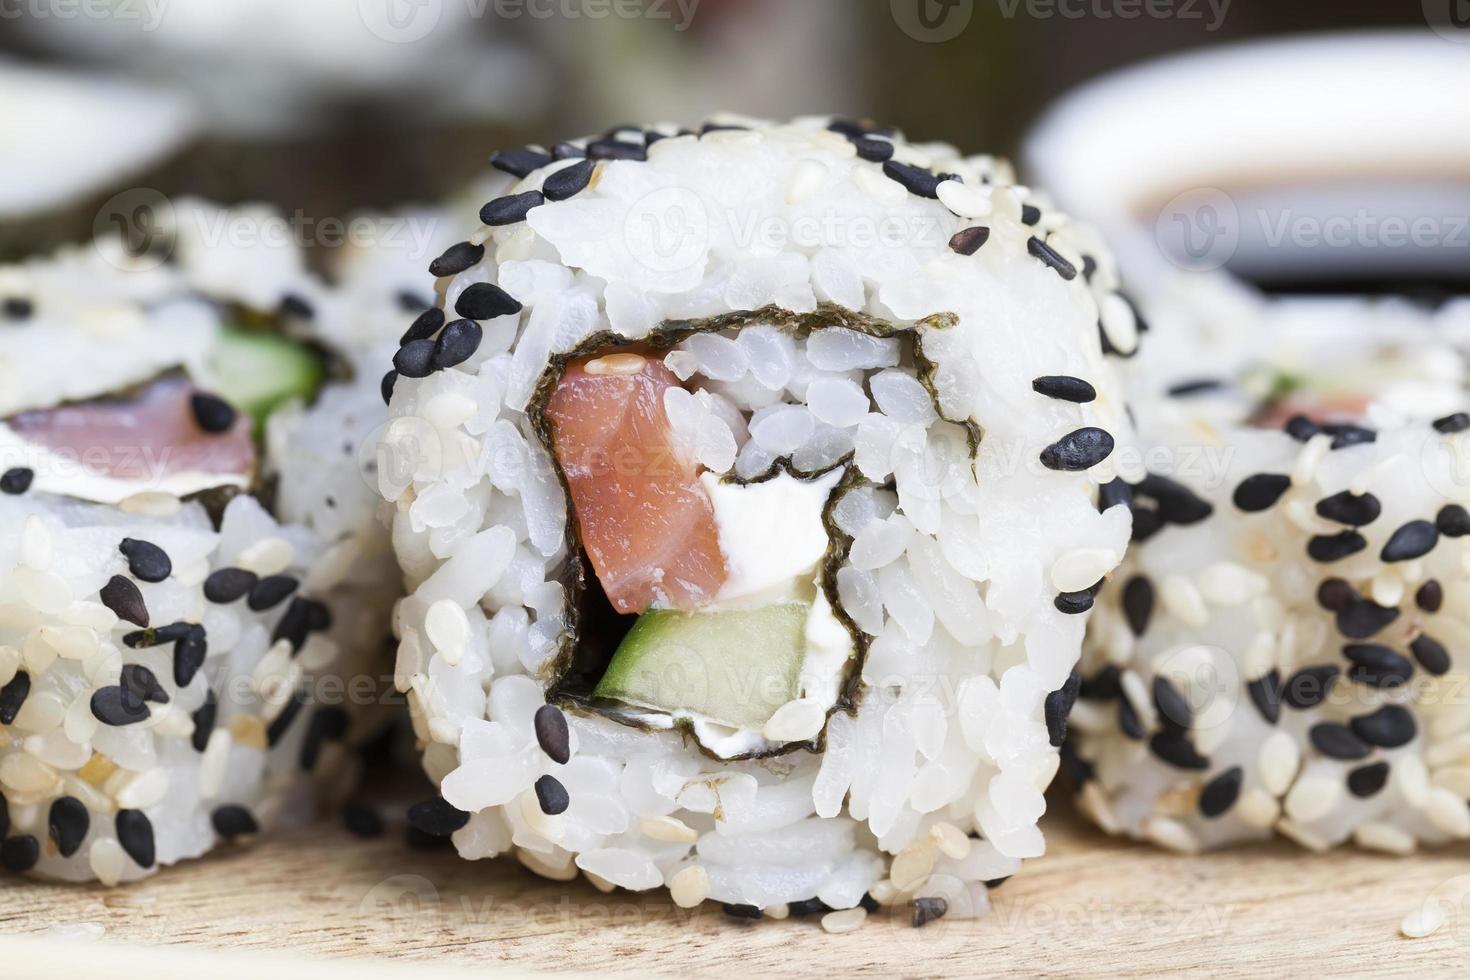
1092	906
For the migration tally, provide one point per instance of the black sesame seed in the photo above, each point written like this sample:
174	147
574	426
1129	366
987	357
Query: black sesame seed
970	240
1430	596
1338	742
1146	523
568	181
616	150
1377	665
143	683
386	386
157	637
1081	449
1389	727
1129	722
1105	685
510	210
1451	424
1301	428
552	795
1431	654
1175	748
736	911
519	163
457	258
20	854
1414	540
1058	706
1177	504
327	725
994	883
1138	603
457	344
189	653
233	821
1335	547
1065	388
318	615
1030	214
1309	686
1197	387
212	413
915	180
1366	781
926	910
204	720
16	481
552	734
436	818
807	906
295	624
121	595
297	306
1076	603
1344	436
1350	508
271	591
228	585
146	560
362	821
1041	250
1220	793
117	706
1266	695
1335	595
13	696
1174	709
18	308
1362	618
424	326
1453	521
414	359
289	714
417	840
1114	493
68	821
876	150
135	835
411	302
484	301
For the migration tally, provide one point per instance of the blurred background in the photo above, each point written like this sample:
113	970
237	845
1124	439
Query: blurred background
329	106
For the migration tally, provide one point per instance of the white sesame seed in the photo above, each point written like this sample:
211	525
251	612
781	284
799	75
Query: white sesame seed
1095	804
951	840
846	920
543	866
1259	656
1137	694
1171	834
212	763
1411	780
1183	600
689	886
912	866
152	504
796	721
448	628
1303	836
1311	456
1313	797
1080	568
1387	587
1227	584
1448	812
1257	808
778	911
106	859
1386	838
268	556
1424	920
965	200
668	829
26	774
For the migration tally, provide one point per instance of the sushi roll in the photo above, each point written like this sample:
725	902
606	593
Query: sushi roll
752	486
1282	651
193	628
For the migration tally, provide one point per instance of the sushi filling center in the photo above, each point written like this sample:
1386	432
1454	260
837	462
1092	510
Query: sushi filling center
703	518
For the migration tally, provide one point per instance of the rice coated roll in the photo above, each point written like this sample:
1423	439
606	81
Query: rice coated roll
1282	650
189	644
750	496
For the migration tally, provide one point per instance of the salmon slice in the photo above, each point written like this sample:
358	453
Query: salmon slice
647	524
155	432
1322	409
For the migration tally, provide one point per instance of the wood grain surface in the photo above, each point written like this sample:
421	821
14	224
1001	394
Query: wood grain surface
1092	906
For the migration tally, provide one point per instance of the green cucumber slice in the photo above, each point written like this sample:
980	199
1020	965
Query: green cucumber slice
734	667
257	372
